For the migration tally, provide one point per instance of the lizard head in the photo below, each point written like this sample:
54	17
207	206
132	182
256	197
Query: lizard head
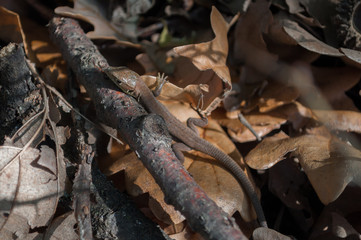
123	77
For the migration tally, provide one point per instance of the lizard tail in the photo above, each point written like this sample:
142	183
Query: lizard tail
237	171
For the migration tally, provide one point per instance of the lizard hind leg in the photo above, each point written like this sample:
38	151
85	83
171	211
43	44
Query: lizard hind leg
200	122
178	149
192	123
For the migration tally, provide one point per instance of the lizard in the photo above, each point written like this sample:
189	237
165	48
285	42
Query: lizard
131	83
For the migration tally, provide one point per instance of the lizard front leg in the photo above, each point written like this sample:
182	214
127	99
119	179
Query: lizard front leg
161	80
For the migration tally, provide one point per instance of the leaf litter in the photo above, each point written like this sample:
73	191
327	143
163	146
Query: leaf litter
308	155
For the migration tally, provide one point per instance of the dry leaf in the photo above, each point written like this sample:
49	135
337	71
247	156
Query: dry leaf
147	63
289	53
210	59
186	234
262	123
37	44
30	187
276	95
249	33
306	40
324	11
277	34
330	164
252	26
330	176
218	183
348	121
39	48
291	186
263	233
95	13
26	133
201	88
334	82
280	43
297	114
352	57
170	91
63	227
226	187
139	181
10	27
271	150
16	225
286	182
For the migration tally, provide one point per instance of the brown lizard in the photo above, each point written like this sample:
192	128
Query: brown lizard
130	82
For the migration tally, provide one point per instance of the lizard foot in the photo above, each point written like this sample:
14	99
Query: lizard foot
178	149
161	80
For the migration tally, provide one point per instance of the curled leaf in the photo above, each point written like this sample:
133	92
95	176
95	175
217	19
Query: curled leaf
330	164
210	60
308	41
95	13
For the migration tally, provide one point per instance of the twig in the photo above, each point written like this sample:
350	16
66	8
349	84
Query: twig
58	94
81	188
244	121
123	112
